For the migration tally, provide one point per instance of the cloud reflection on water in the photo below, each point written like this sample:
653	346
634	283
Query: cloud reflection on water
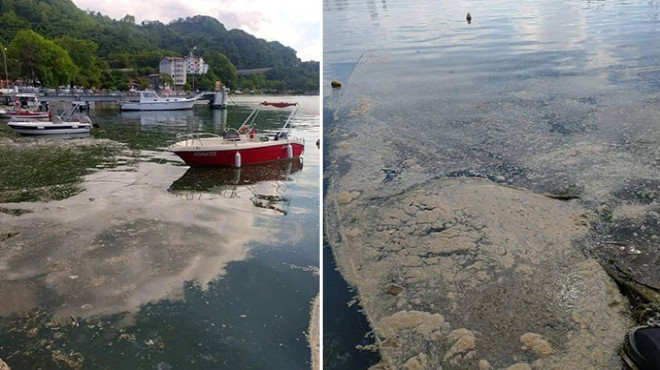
124	243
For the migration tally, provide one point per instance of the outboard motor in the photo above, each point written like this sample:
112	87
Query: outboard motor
43	106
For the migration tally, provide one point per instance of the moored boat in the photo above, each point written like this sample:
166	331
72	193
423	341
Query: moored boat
22	115
24	100
242	146
25	106
57	125
149	100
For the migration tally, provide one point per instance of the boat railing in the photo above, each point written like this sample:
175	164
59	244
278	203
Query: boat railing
232	134
195	139
69	114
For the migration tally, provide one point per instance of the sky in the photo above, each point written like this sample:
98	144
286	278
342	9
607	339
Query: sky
293	23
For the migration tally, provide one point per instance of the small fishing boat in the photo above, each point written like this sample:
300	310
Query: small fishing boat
24	100
239	147
26	107
149	100
57	125
23	115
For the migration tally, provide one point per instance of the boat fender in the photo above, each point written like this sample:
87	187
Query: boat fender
237	160
289	151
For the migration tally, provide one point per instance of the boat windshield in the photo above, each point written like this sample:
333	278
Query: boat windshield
149	95
232	135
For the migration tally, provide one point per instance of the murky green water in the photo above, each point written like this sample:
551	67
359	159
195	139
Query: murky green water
152	265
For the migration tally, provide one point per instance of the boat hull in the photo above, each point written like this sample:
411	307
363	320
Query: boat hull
23	115
49	128
146	106
225	155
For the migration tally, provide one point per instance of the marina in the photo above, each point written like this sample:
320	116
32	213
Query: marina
120	255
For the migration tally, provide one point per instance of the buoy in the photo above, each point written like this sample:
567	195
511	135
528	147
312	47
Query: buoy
468	17
289	151
335	84
237	160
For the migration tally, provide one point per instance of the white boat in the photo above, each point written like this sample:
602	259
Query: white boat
58	125
149	100
24	100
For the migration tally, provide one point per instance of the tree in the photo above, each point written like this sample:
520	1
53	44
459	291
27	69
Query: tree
83	54
126	46
220	66
205	82
41	60
143	83
11	24
165	80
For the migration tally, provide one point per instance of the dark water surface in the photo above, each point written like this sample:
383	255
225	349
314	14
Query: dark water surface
155	265
344	326
560	98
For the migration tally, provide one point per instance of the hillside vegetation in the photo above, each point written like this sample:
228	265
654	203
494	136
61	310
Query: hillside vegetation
53	43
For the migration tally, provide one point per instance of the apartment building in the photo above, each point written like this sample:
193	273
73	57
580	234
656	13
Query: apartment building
175	67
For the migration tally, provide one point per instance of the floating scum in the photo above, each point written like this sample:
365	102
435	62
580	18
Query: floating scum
477	222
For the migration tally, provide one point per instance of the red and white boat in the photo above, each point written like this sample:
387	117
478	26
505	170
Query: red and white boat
23	115
240	147
25	108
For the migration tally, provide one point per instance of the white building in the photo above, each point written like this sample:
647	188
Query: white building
175	67
196	65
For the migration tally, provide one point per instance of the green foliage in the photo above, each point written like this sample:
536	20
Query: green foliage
107	53
220	66
82	53
165	80
143	82
302	78
41	60
205	82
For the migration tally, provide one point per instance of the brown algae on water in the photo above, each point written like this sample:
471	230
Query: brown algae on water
515	215
489	273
